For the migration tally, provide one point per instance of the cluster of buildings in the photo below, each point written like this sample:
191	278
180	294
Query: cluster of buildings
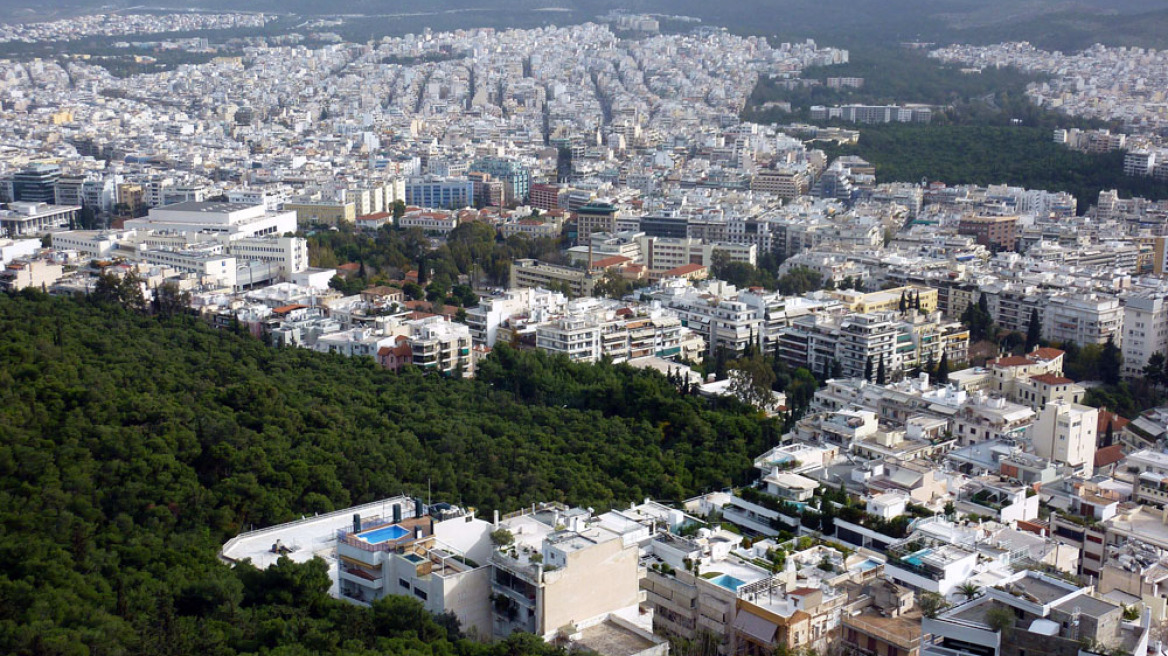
90	25
912	518
1110	83
873	113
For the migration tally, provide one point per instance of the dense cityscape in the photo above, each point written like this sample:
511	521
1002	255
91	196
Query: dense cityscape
537	341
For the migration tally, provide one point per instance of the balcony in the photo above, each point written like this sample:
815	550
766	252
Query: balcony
362	578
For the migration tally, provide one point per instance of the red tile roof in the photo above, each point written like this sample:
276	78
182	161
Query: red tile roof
1047	353
1051	379
376	216
1108	455
1011	361
285	309
684	269
1117	422
615	260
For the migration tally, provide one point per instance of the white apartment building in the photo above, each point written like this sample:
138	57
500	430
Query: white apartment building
271	197
442	561
290	254
1083	319
209	263
11	249
29	274
441	345
664	254
1145	330
576	337
1065	433
537	305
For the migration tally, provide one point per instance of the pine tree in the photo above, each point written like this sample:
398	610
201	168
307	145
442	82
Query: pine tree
903	301
1110	362
1033	331
837	370
881	373
868	369
943	369
1108	437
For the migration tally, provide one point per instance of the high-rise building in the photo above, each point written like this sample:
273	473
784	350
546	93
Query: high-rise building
596	216
36	184
515	177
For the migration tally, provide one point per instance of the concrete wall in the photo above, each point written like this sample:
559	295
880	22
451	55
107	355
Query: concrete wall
597	580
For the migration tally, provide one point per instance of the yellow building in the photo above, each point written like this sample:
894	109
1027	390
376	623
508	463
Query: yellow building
887	300
322	212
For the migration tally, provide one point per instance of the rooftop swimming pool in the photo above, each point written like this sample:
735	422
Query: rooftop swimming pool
729	582
916	558
868	564
384	534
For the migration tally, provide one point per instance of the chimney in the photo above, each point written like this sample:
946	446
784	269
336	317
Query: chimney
356	522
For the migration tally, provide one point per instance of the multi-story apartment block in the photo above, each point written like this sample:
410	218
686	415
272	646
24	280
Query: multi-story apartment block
440	556
576	337
1145	330
787	182
563	571
440	193
441	345
1032	613
995	232
533	273
865	342
596	216
1083	319
1065	433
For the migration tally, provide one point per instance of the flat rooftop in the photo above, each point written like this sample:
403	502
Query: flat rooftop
610	639
206	206
306	537
1087	605
905	629
1044	591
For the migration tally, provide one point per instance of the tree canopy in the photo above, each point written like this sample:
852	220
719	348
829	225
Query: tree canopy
136	445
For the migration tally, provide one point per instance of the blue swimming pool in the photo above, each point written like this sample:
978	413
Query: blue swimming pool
384	534
729	582
867	565
915	559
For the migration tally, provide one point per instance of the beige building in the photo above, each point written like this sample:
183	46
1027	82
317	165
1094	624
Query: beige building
23	274
887	300
1066	433
310	212
562	573
533	273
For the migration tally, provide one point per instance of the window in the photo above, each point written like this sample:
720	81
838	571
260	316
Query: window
421	594
404	583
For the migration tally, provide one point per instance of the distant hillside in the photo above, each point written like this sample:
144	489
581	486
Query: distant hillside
1061	24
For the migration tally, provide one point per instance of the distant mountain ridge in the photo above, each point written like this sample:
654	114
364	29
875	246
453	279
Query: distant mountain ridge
1063	24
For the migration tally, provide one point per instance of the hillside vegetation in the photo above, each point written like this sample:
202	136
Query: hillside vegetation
134	446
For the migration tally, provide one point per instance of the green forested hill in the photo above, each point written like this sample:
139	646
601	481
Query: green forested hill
131	447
